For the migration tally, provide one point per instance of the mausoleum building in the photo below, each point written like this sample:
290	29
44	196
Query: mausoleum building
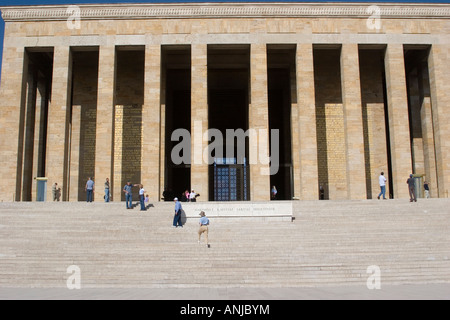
350	90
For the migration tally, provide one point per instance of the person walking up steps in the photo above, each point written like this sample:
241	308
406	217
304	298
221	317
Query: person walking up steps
204	223
177	217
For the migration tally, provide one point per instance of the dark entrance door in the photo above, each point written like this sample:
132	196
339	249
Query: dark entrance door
230	181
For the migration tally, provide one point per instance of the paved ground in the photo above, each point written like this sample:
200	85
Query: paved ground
403	292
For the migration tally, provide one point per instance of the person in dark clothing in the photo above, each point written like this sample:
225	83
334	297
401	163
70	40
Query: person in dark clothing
321	193
426	186
168	195
411	187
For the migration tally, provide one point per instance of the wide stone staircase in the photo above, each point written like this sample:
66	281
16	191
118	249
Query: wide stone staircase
329	243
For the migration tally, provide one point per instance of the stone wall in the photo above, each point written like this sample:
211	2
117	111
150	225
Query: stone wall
128	137
373	109
330	123
83	123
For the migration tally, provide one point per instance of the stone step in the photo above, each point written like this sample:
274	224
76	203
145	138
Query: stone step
329	243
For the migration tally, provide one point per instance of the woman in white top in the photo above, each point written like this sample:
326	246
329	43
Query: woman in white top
142	197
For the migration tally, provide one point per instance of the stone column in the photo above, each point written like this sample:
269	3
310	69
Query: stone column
116	179
75	153
104	129
151	142
57	129
295	136
414	101
353	121
162	130
440	100
28	134
258	119
398	119
426	116
13	68
199	120
306	176
38	134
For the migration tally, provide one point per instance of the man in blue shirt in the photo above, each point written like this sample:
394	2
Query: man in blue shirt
129	194
89	189
177	217
204	223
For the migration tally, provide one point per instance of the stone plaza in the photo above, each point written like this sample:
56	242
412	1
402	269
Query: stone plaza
98	90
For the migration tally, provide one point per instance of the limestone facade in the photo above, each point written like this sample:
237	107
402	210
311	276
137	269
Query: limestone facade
98	90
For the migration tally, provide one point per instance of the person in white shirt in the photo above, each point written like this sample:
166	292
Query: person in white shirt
382	179
142	197
193	196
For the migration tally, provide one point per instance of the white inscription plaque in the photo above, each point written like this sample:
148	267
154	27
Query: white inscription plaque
281	211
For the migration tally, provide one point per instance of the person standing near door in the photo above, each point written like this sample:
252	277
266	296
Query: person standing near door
193	196
273	193
321	193
411	188
107	190
55	192
426	187
89	189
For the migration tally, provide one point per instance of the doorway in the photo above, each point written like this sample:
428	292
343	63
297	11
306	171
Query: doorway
228	90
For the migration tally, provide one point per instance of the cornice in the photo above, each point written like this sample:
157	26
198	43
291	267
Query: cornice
224	10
